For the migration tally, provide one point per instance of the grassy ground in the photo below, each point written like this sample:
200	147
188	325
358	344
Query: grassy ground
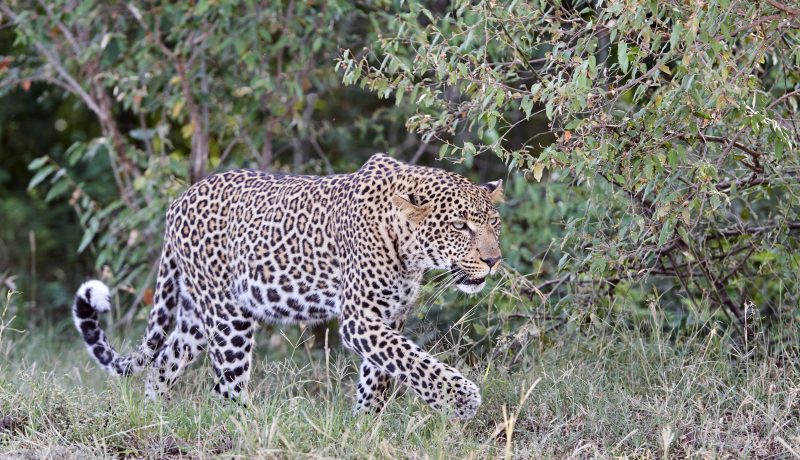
607	392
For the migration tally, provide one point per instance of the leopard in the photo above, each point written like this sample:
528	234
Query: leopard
242	248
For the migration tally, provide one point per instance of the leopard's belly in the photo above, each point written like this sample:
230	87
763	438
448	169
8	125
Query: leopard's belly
282	253
284	298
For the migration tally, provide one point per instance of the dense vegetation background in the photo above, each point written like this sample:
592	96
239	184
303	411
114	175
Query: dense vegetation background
649	150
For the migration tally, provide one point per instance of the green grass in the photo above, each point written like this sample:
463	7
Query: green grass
606	392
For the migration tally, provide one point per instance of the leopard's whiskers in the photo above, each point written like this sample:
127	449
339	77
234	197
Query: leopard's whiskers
444	285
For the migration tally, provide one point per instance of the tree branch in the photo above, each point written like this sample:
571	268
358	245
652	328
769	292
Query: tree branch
754	155
52	59
786	9
782	98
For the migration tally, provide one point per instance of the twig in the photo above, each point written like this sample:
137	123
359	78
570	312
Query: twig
751	181
777	5
751	230
315	145
780	99
646	205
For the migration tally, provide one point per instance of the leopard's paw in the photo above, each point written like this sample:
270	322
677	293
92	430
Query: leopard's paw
465	398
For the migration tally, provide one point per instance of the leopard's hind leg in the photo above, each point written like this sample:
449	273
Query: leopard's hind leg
229	330
183	346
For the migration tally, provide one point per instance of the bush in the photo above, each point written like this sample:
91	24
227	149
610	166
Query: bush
675	122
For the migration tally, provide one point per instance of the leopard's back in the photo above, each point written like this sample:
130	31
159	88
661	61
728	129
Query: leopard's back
269	239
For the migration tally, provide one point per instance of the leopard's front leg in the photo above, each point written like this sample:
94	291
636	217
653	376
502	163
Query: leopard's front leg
372	388
373	383
387	351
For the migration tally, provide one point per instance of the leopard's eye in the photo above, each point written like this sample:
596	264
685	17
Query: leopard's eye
460	225
494	221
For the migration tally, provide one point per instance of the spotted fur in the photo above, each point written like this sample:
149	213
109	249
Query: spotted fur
244	247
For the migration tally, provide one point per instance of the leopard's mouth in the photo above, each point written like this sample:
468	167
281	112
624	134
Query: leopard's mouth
466	283
471	281
462	278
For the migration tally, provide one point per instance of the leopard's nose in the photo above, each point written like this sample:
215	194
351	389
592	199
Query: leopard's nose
492	261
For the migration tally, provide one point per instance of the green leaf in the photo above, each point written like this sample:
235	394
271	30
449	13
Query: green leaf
527	106
622	56
187	130
57	190
562	262
40	176
675	36
548	109
538	169
491	119
37	163
672	158
143	134
499	97
401	89
666	231
88	235
779	149
469	149
443	151
598	265
139	183
535	89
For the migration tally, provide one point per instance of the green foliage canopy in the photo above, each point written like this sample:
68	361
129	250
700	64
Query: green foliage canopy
181	89
680	119
665	133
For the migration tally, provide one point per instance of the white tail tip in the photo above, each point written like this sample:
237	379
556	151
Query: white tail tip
97	294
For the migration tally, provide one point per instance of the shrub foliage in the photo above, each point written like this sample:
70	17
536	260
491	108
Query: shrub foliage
679	120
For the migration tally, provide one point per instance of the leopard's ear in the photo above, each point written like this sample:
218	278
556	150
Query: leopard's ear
407	203
495	190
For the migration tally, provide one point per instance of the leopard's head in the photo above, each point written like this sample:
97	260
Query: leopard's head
455	227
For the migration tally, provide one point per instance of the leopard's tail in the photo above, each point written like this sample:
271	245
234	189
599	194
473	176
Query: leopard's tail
93	298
